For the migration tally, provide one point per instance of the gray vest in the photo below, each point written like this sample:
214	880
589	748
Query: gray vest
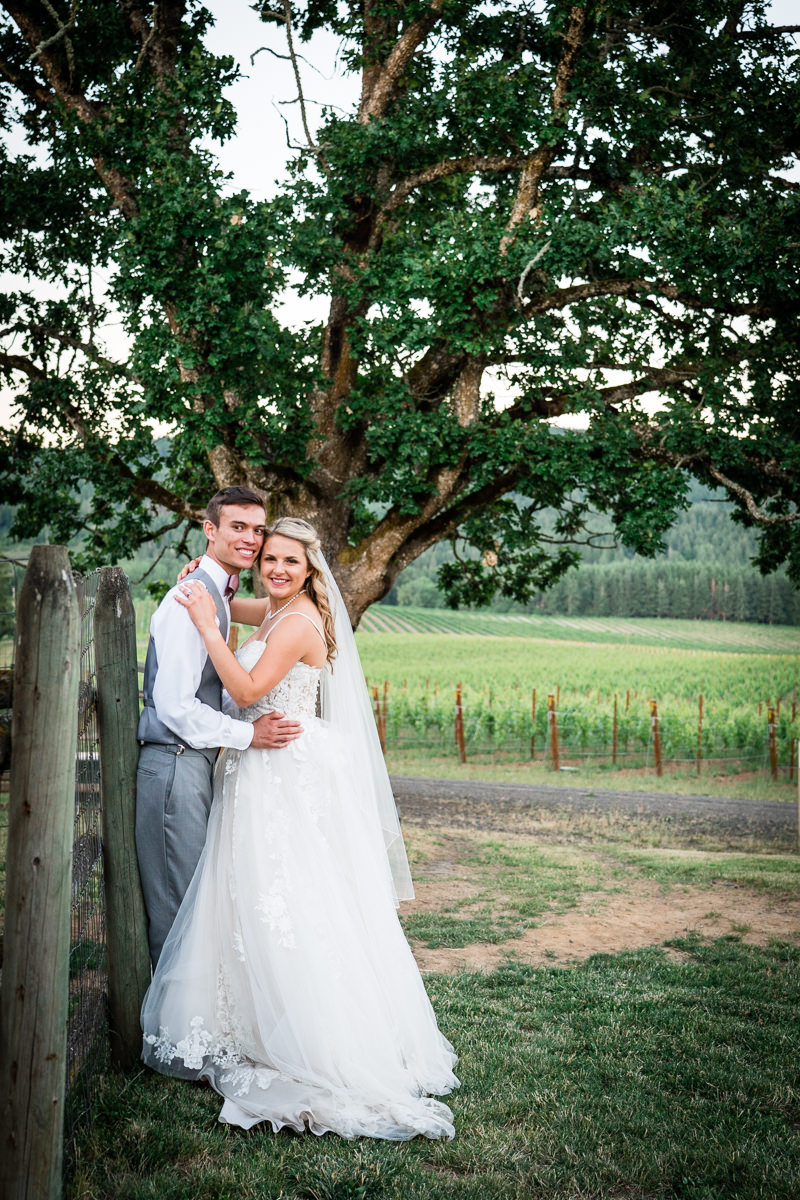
209	691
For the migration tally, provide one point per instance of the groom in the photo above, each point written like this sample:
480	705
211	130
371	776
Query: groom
182	723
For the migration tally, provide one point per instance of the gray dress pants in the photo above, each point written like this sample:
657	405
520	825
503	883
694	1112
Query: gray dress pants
173	800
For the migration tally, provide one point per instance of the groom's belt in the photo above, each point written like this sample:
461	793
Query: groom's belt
209	752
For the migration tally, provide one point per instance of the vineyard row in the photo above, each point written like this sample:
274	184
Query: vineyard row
552	726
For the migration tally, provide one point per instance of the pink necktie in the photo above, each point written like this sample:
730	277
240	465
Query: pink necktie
231	586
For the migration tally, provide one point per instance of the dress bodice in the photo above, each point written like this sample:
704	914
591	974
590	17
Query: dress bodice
295	695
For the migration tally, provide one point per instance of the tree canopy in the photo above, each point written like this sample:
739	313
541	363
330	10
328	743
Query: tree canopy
535	210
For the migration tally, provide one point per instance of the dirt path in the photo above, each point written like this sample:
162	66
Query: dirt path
644	914
472	804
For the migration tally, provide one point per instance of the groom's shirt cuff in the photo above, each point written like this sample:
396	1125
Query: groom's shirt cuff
182	655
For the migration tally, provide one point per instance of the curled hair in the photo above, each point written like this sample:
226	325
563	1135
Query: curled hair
316	586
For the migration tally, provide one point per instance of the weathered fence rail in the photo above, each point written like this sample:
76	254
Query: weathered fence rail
117	712
35	990
87	1034
75	953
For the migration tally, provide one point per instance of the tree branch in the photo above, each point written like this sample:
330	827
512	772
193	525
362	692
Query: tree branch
631	289
64	339
33	91
475	164
472	163
18	362
285	18
752	35
145	489
159	40
467	392
158	533
380	83
526	201
60	35
399	539
550	403
435	373
749	502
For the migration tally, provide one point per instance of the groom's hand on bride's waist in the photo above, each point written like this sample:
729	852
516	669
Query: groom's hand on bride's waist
274	730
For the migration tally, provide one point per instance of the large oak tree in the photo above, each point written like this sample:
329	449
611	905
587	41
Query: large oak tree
536	209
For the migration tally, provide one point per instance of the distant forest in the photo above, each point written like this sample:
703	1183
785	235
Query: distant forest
706	573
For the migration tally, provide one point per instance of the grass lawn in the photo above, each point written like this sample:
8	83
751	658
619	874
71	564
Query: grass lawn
668	1070
626	1076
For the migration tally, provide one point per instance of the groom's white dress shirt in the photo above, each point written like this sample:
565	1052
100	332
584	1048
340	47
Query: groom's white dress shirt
182	655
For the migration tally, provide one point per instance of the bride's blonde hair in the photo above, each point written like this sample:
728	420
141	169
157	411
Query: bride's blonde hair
316	587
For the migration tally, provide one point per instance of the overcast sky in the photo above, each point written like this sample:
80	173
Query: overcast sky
257	154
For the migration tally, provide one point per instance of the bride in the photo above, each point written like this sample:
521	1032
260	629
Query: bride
286	981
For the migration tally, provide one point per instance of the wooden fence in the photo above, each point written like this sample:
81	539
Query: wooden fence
34	1001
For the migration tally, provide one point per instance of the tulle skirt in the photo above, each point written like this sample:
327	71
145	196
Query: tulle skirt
286	980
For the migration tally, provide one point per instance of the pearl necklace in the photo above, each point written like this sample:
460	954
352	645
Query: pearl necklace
270	615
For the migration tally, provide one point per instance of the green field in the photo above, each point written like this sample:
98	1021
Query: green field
503	664
629	631
585	664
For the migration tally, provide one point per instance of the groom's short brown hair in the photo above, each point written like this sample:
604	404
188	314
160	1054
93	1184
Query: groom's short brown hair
243	496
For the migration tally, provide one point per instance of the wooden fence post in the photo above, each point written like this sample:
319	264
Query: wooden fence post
383	709
656	736
35	993
552	720
699	733
376	708
459	727
6	693
773	742
117	717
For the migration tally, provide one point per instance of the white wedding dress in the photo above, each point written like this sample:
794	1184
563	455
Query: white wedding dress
286	980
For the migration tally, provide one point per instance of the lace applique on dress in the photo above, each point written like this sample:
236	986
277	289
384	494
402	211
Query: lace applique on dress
295	695
199	1046
232	759
238	946
274	911
202	1047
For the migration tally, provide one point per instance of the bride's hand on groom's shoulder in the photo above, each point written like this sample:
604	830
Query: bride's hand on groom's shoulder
187	570
196	597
